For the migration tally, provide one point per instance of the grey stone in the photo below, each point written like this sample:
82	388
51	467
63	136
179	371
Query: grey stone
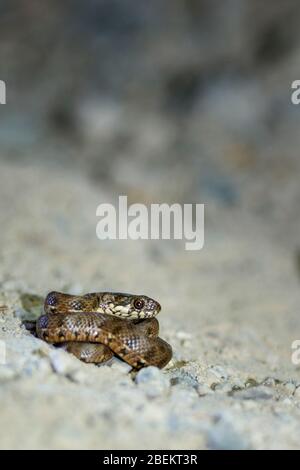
153	381
255	393
290	387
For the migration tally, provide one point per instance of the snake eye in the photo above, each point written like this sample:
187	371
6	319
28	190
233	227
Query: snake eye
138	304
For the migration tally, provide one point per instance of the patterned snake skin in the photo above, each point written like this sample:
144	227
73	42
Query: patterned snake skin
96	326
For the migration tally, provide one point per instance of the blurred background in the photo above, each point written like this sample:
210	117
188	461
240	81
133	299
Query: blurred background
184	101
181	100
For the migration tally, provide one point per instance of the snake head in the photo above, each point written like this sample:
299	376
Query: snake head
144	307
131	306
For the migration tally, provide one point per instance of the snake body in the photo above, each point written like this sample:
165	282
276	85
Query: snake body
96	326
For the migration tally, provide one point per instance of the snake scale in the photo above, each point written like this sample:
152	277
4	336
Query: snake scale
96	326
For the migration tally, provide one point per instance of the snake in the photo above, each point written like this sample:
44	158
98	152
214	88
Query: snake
97	326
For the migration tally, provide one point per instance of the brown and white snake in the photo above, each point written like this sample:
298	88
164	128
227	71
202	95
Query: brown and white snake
96	326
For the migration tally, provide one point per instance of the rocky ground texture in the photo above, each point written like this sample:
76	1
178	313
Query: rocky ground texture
230	312
181	101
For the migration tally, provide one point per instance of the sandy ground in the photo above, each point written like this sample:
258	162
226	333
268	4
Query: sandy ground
186	103
230	312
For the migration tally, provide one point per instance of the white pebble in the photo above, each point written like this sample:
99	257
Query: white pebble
204	389
62	362
120	366
153	381
290	387
287	402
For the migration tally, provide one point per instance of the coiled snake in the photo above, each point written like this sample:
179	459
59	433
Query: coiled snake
96	326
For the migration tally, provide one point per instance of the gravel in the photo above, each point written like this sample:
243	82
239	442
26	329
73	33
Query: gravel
231	383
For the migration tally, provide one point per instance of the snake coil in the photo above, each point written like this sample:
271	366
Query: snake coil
98	325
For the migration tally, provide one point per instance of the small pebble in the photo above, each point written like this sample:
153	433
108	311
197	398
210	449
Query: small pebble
225	387
183	397
185	379
236	382
270	382
204	389
120	366
290	387
255	393
79	376
153	381
287	401
62	362
219	372
252	382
